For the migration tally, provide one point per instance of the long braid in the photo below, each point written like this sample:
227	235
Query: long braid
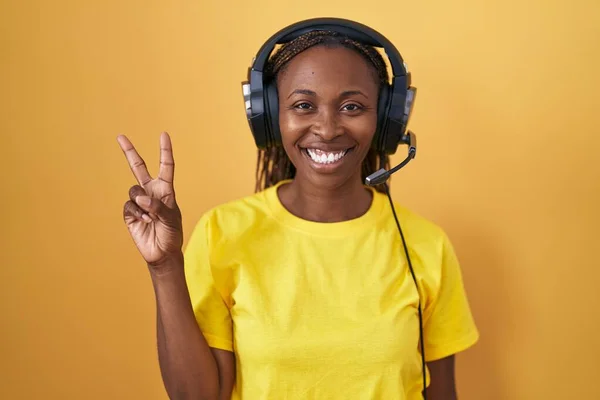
273	164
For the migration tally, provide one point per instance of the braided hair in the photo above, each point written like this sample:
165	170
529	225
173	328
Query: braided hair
273	164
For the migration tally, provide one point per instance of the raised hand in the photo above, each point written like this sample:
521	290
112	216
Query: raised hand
151	213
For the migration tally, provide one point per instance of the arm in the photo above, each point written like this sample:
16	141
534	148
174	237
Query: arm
188	366
442	386
226	365
449	327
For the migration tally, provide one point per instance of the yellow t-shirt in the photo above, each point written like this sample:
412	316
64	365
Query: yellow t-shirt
325	310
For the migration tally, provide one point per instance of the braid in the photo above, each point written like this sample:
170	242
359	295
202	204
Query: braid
273	164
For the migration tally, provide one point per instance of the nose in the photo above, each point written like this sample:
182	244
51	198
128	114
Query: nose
326	124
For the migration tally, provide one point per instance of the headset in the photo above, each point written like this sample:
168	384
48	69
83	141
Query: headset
394	109
395	102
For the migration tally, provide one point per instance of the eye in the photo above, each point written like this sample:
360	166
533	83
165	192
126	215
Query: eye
303	106
352	107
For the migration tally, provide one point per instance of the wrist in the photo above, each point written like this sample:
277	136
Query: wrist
172	264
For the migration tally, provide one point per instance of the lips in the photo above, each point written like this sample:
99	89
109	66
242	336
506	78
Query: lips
324	157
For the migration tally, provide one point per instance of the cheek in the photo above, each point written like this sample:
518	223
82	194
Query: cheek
362	128
290	124
366	125
292	128
291	132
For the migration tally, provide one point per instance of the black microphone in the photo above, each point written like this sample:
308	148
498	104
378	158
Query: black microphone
379	177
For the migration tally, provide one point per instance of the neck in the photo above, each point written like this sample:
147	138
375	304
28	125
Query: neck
325	203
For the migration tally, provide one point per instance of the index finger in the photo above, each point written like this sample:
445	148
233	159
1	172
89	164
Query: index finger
136	163
166	171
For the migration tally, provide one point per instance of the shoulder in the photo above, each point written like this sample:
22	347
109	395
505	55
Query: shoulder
419	230
430	248
236	217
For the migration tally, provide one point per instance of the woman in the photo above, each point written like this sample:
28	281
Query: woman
302	290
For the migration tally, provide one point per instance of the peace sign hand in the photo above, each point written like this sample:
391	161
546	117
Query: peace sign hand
151	214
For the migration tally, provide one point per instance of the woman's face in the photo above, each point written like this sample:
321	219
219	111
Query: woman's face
327	113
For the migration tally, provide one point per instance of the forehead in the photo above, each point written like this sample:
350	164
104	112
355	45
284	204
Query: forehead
323	66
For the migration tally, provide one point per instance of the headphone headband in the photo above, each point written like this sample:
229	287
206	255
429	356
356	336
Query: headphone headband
354	30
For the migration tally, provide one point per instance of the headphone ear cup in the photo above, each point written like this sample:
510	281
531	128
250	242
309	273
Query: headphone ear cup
380	139
272	112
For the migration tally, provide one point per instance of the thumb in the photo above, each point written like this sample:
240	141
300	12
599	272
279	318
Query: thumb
153	206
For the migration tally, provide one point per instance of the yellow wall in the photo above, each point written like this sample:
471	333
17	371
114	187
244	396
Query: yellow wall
508	123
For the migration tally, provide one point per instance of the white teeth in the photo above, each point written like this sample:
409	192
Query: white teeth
322	157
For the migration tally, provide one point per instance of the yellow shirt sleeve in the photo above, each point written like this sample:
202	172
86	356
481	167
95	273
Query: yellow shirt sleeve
448	323
208	301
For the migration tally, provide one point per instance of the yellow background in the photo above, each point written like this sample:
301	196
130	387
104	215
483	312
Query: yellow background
507	118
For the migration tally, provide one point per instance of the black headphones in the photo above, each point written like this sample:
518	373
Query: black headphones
395	101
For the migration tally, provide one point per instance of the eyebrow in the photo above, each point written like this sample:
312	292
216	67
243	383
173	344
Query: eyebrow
312	93
353	92
302	91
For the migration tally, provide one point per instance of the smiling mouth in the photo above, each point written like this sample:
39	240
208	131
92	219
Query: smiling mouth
326	157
